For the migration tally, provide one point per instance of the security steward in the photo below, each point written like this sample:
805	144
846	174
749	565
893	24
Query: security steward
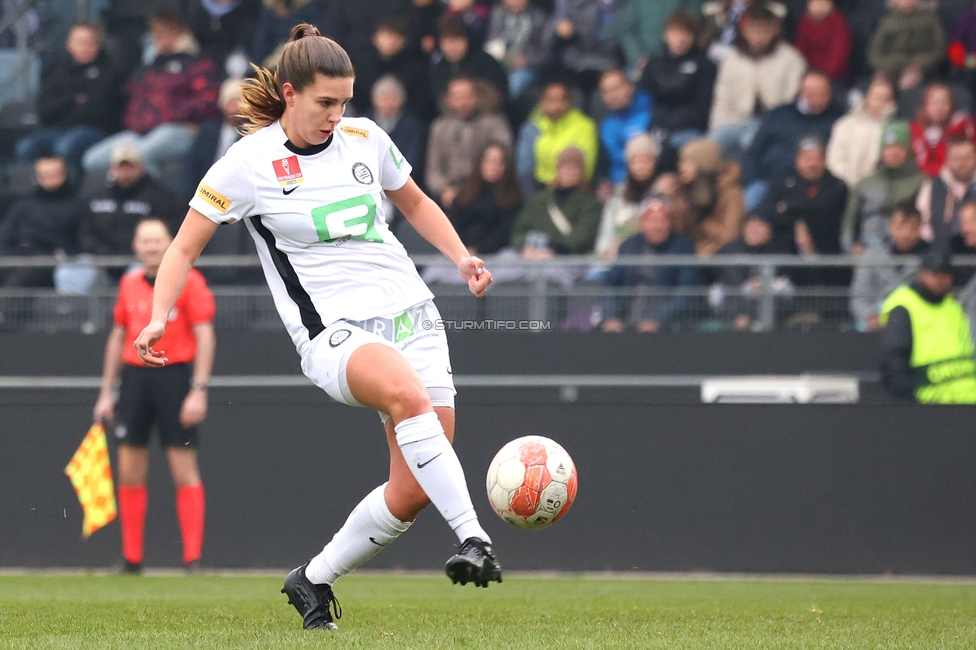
927	347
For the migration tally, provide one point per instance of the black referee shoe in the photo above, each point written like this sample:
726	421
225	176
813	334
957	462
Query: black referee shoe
127	568
475	563
312	601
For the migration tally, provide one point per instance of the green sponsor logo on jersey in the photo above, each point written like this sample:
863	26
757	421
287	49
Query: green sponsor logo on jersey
397	156
402	327
354	218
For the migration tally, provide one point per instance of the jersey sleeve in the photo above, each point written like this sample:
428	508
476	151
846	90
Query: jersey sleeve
200	306
226	193
394	168
119	313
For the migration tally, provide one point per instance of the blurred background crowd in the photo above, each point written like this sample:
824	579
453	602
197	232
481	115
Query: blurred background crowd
609	128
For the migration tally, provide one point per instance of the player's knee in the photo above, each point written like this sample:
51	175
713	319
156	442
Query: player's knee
409	399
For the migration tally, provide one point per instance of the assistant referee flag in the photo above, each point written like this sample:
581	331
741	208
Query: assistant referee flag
91	475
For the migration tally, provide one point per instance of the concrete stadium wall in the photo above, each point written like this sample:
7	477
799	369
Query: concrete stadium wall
664	486
243	352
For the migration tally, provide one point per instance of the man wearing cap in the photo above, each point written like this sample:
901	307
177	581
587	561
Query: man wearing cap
770	155
927	345
130	195
941	197
805	208
870	203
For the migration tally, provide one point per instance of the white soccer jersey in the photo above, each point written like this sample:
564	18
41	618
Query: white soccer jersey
317	219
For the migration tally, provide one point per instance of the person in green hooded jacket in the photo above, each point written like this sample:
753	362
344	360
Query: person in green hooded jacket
563	218
895	181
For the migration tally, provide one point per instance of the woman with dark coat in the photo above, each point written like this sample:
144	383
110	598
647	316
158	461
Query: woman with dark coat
488	203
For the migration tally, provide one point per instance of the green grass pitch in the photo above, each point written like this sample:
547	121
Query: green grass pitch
380	611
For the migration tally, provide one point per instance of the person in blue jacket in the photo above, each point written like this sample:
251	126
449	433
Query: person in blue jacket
657	237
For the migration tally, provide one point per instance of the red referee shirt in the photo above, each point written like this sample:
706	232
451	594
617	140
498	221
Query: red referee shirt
133	310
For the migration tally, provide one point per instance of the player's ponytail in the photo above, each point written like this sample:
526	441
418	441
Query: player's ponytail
260	104
306	54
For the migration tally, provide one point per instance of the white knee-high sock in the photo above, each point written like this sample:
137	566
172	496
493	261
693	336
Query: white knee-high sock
370	527
436	467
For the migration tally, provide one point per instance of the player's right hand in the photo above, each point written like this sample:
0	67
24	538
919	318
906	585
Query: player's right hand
478	277
144	342
104	409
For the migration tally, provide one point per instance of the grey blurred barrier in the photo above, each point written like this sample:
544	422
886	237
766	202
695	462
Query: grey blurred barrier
546	294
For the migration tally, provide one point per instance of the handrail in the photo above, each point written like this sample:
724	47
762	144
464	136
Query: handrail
563	261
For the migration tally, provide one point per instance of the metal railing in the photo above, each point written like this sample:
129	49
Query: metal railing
540	295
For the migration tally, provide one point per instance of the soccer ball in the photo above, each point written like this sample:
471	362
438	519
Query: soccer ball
531	482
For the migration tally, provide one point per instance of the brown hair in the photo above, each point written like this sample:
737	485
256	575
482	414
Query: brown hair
757	13
921	116
306	54
506	192
452	27
170	19
684	21
907	210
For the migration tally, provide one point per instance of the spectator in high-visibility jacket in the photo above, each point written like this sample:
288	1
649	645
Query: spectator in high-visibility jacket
554	125
927	343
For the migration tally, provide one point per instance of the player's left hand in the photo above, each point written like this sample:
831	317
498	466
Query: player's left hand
473	270
194	408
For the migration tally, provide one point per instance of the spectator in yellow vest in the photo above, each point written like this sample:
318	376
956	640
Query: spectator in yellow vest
927	344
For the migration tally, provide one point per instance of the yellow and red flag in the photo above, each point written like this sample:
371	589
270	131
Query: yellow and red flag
90	472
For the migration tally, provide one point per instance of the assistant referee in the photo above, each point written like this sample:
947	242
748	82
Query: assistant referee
173	397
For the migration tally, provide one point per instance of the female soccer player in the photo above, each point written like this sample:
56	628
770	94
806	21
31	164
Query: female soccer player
309	186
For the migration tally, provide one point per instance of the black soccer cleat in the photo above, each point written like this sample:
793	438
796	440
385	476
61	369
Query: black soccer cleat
474	562
312	601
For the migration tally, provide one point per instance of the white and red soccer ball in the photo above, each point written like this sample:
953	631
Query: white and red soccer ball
531	482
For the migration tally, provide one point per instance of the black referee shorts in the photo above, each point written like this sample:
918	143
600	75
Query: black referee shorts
154	396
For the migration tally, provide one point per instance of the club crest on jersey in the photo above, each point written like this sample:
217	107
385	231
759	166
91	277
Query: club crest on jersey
339	337
288	171
362	174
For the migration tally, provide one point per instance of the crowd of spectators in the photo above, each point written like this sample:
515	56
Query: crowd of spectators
552	127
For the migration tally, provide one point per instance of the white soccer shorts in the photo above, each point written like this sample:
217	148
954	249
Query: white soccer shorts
414	333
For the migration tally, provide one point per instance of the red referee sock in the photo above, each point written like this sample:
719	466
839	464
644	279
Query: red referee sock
190	506
132	520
